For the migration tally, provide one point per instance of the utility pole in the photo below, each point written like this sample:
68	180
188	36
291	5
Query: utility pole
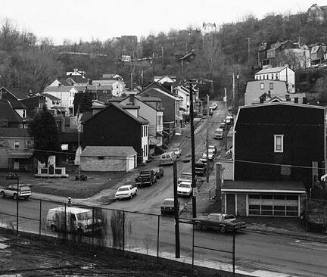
192	151
207	139
176	212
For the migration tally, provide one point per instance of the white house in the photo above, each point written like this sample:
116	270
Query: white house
66	95
184	94
283	73
117	86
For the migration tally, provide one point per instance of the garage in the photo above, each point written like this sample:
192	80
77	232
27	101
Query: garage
273	204
108	158
263	198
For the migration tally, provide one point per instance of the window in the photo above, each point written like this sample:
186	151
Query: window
262	86
278	143
271	86
16	144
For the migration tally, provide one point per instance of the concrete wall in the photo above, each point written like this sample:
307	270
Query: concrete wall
106	164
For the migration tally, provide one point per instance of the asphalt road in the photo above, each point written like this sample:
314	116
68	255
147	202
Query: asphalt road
255	252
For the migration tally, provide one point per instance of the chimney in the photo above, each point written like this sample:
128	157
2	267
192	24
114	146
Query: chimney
132	99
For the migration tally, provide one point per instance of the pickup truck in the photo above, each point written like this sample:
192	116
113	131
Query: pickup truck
220	222
146	178
200	168
24	191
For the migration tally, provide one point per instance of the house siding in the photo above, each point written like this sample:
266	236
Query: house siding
112	127
303	130
107	164
168	103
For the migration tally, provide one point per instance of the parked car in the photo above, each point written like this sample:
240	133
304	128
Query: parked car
185	177
11	176
146	178
219	133
213	148
211	155
77	220
167	206
222	125
24	191
178	151
229	119
126	192
167	158
159	171
200	168
184	189
220	222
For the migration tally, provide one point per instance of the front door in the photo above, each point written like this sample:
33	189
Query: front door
230	207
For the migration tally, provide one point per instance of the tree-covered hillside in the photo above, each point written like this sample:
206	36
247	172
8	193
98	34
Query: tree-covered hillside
31	64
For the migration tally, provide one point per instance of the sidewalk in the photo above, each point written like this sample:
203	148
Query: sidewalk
270	226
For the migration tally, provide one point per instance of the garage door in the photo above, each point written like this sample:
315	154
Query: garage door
273	204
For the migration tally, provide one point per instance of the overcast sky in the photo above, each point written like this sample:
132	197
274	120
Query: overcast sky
103	19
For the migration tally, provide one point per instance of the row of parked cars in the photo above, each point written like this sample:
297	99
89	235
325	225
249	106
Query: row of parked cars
219	132
145	178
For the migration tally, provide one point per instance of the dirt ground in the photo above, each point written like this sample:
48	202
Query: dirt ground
28	256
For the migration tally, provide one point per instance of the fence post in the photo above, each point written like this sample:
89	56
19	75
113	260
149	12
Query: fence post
158	236
192	246
65	228
40	218
123	230
234	252
92	226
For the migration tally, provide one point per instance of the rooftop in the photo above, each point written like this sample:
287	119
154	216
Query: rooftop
271	70
264	186
108	151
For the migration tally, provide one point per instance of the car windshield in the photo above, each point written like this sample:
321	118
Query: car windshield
84	215
123	189
186	176
184	185
168	202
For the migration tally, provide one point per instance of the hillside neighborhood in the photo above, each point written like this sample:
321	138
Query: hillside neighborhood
192	155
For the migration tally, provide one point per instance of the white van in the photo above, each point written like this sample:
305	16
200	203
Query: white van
77	220
167	158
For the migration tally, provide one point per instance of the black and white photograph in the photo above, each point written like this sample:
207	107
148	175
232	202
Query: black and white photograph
149	138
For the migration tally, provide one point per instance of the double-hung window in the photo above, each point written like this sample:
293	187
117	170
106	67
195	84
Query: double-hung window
278	143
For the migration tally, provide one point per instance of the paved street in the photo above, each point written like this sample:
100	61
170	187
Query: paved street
254	251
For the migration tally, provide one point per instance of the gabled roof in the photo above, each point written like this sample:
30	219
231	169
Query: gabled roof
108	151
156	85
139	119
51	97
9	96
19	93
7	112
148	92
271	70
14	132
58	89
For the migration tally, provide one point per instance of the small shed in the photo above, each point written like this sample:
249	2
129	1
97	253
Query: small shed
108	158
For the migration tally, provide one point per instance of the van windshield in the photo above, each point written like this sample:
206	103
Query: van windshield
84	215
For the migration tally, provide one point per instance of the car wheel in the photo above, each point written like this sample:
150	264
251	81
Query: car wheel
14	196
3	194
53	228
222	229
27	197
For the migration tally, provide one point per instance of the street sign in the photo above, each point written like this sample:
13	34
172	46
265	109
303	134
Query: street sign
195	191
